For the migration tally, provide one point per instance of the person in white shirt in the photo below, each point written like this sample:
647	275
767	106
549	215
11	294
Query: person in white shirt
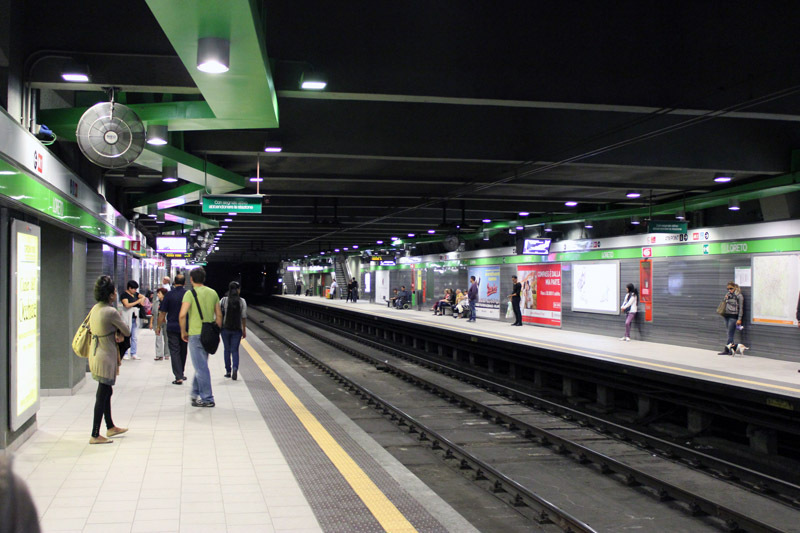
629	305
334	289
165	283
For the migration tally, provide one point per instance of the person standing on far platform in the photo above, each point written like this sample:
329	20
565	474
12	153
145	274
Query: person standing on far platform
629	305
334	289
108	328
234	328
472	294
516	296
168	315
298	287
199	299
354	290
132	305
734	308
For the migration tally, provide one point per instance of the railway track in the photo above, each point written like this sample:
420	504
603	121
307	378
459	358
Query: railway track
608	458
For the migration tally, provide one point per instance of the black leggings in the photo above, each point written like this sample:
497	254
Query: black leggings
102	407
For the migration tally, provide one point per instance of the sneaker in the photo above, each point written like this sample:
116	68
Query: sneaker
622	338
127	357
201	403
196	402
627	339
134	356
100	440
235	373
113	432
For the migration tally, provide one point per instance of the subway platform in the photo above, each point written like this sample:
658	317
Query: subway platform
772	376
273	456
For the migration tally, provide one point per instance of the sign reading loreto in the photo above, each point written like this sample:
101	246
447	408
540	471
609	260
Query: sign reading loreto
26	262
232	203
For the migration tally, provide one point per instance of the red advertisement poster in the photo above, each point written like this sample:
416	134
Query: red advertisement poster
541	294
646	288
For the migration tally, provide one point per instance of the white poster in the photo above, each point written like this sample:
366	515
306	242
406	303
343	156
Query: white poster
381	285
776	282
595	287
742	276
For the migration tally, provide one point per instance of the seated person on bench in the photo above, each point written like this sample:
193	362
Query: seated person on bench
462	304
392	302
447	301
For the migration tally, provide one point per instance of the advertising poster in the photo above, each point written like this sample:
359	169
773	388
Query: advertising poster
25	258
541	294
595	287
488	278
646	288
382	292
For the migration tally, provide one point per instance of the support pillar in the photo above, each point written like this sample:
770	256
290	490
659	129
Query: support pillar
646	406
763	440
605	397
698	421
569	387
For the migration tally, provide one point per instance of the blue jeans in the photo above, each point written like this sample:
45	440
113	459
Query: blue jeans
730	323
230	343
201	384
472	316
134	335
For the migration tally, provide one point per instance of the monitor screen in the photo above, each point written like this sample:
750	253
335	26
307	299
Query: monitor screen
536	247
171	244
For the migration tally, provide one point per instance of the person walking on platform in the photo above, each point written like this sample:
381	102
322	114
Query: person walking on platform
162	351
349	292
132	305
734	308
472	294
354	290
629	305
298	287
234	328
108	327
168	315
516	297
201	300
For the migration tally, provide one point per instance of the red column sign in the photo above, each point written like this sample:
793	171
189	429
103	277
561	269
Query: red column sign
646	288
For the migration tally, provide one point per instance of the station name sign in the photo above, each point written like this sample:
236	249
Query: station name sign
232	203
177	255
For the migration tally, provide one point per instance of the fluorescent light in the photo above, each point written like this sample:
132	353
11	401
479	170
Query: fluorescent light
153	215
411	235
313	81
256	180
314	85
7	172
633	194
523	213
486	220
635	221
431	231
570	203
548	228
395	238
169	180
520	227
223	227
355	247
273	147
231	214
75	77
588	224
228	220
378	242
723	179
336	250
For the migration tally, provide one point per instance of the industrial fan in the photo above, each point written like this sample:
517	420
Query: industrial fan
452	242
111	135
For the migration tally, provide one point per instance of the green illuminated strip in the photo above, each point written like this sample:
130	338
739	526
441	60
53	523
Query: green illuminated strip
31	193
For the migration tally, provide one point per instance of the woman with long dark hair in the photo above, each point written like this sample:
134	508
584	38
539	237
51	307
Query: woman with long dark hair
629	305
234	328
108	327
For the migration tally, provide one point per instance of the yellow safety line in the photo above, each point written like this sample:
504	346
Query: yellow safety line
615	357
390	518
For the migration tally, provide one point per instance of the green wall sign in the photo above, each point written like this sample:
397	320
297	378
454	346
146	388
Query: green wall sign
232	203
666	226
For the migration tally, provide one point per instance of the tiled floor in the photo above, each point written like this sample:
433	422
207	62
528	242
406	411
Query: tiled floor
179	468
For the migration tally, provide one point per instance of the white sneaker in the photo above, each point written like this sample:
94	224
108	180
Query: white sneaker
134	356
626	339
623	338
126	357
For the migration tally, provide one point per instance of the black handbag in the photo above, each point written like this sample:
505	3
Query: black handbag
209	332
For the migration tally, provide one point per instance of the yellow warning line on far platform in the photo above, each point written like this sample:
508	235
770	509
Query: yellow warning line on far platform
384	511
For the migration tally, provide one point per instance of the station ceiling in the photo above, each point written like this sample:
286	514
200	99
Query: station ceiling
435	112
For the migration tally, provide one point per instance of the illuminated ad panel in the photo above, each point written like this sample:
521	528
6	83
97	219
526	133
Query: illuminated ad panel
26	265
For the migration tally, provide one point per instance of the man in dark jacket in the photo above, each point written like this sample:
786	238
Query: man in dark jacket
168	313
472	294
515	299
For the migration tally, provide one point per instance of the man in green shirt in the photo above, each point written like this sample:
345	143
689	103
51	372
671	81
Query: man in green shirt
202	395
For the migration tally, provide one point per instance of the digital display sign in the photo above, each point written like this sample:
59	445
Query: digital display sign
536	247
171	244
25	326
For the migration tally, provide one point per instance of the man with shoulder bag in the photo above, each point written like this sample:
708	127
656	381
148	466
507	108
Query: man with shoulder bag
201	307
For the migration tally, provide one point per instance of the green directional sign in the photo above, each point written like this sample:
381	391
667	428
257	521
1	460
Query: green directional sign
666	226
232	203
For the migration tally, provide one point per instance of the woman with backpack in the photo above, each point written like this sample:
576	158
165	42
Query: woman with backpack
234	328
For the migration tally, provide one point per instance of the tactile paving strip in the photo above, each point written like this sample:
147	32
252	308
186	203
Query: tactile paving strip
335	504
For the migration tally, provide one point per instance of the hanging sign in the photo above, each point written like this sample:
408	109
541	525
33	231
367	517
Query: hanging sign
666	226
232	203
646	288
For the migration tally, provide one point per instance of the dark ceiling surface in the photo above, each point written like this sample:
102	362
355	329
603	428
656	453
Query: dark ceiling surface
471	110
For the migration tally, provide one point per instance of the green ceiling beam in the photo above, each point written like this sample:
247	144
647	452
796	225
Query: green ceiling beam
183	158
244	96
186	218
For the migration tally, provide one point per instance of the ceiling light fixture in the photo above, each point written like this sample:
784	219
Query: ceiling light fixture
336	250
157	134
169	174
548	228
75	73
487	220
313	81
512	231
7	172
228	220
355	247
411	235
485	235
721	178
256	179
588	224
571	203
680	214
520	228
633	194
378	242
273	147
733	204
431	231
635	220
213	55
523	213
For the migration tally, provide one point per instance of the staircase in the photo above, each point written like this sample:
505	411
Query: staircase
341	276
